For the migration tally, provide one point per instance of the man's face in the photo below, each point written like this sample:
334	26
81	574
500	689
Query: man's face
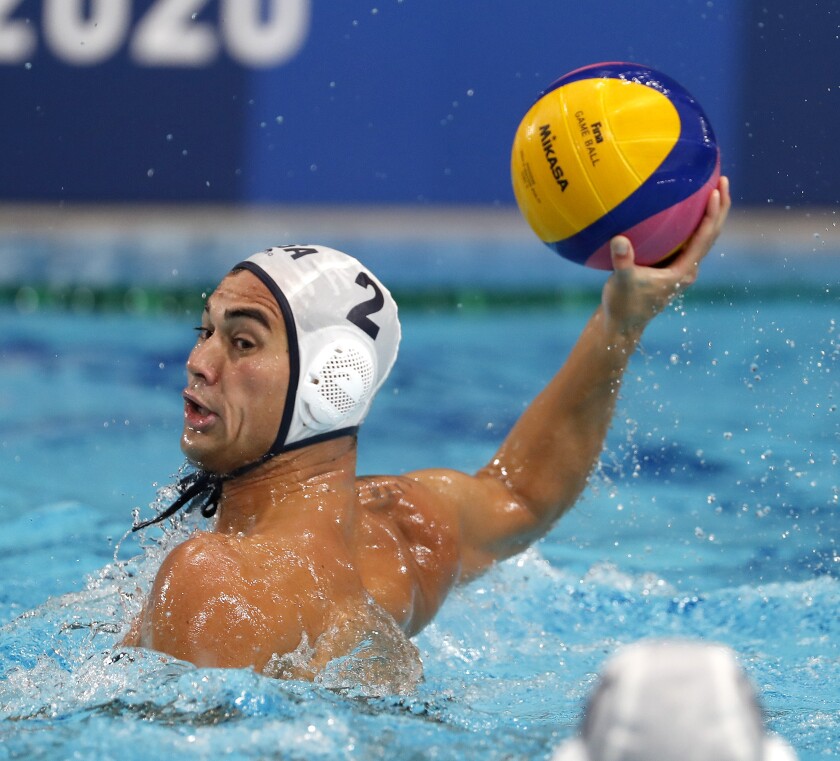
237	377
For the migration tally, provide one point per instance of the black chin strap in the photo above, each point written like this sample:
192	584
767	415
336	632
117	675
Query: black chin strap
201	488
204	490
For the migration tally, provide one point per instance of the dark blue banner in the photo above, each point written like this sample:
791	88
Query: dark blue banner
305	101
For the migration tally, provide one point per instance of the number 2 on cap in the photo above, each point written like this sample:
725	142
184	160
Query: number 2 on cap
358	315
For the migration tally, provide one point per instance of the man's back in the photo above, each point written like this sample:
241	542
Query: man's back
317	582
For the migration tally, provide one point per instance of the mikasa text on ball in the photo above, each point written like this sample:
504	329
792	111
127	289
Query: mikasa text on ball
609	149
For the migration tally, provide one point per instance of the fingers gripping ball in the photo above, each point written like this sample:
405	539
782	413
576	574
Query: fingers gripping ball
609	149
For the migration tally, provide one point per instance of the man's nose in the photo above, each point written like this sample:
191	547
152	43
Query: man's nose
203	362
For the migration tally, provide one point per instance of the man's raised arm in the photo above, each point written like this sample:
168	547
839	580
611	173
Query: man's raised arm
544	463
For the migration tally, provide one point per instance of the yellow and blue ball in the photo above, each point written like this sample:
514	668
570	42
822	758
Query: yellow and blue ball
609	149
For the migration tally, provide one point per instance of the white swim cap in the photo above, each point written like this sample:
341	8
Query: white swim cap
673	701
343	334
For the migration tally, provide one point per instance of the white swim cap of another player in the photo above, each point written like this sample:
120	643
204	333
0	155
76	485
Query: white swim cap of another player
343	333
673	700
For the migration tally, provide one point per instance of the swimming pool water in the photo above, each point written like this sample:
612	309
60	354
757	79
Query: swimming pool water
713	514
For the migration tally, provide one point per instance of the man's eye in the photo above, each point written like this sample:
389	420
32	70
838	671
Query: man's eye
243	343
203	333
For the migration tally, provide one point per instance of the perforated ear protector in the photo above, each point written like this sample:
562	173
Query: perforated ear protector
337	383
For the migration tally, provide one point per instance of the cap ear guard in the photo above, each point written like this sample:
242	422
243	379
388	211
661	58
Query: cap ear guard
337	384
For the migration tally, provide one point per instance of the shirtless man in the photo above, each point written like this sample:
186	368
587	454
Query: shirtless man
297	340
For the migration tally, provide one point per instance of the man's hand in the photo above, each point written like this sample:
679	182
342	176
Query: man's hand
634	295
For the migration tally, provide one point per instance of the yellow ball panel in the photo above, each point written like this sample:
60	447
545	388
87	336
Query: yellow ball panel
645	125
549	181
584	148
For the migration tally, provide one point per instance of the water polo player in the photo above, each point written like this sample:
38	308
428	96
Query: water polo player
305	561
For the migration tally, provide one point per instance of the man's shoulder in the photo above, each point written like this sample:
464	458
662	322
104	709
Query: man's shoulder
436	493
200	547
203	560
410	501
377	493
249	568
209	606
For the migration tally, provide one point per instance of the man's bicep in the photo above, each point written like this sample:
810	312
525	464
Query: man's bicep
493	523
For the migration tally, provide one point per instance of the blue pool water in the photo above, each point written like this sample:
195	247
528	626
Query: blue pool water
713	515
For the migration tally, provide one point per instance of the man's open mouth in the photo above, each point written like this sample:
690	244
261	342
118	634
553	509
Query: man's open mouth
196	414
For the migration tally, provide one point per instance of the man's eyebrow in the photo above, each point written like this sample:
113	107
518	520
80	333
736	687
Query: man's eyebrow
248	313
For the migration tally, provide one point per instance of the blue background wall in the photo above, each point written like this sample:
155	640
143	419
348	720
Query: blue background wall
388	101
